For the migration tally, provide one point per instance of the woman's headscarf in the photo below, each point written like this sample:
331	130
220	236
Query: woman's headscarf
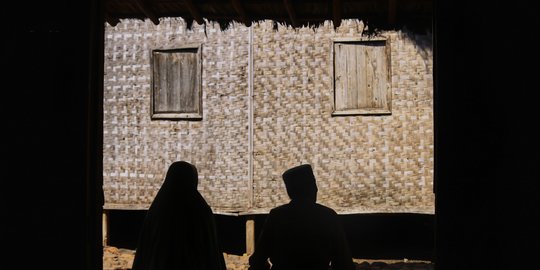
179	229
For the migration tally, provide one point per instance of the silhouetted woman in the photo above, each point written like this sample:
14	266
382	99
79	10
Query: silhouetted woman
179	228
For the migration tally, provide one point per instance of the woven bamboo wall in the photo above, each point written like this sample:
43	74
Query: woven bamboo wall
362	163
138	151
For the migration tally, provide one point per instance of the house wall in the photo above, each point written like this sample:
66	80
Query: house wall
363	163
138	151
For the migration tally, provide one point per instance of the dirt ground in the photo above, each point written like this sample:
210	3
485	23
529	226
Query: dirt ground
122	259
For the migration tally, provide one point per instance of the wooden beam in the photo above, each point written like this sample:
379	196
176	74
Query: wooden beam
105	227
250	236
392	12
241	11
147	10
194	11
292	13
336	13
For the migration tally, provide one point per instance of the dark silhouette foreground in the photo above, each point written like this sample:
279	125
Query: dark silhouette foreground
301	234
179	228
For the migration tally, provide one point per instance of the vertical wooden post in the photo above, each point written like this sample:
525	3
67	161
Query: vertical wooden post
250	118
105	227
250	235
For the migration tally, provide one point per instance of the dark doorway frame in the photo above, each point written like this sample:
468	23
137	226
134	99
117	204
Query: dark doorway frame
476	137
482	151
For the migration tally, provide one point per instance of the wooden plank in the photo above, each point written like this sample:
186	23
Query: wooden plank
377	75
380	79
370	77
250	235
362	78
174	70
388	65
187	83
160	75
105	227
362	112
164	83
340	77
352	77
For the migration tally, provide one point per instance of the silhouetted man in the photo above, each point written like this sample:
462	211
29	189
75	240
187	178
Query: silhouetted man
301	234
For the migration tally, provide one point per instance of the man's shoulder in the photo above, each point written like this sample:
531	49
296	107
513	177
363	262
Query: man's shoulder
325	209
279	209
285	208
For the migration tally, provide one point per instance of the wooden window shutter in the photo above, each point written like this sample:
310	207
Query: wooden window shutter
361	78
176	84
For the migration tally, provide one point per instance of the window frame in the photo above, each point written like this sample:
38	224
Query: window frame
387	109
198	87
